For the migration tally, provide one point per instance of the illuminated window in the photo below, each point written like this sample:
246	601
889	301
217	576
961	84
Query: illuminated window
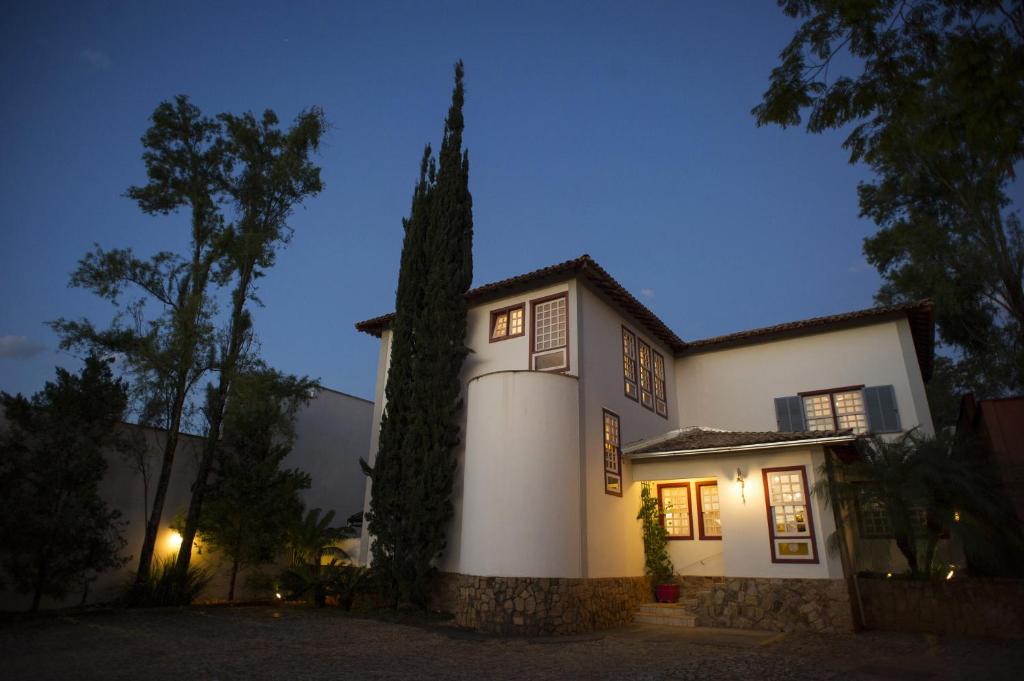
674	506
837	410
660	397
629	362
550	324
789	515
709	511
646	379
507	323
612	455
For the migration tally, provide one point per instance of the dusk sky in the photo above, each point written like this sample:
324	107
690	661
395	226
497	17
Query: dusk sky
622	130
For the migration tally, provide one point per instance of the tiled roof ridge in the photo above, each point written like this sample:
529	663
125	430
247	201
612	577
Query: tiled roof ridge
854	315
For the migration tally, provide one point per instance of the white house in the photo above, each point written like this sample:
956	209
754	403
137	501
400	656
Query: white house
576	394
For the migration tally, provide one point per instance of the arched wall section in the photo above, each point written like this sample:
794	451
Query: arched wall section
521	504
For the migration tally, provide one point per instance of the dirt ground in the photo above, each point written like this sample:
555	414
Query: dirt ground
301	643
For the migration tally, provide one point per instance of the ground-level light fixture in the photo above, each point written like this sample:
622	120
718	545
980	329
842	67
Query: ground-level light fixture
173	540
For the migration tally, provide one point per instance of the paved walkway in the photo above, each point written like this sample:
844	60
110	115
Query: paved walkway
298	643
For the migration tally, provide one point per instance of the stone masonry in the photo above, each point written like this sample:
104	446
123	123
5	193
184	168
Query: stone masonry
973	607
533	606
818	605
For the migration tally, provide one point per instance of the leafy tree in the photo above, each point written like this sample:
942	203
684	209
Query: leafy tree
932	93
929	488
186	163
415	465
56	532
273	174
252	503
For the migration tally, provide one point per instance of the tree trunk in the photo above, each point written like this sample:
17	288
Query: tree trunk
160	495
234	574
229	364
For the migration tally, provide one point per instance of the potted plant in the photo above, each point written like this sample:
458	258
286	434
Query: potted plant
657	564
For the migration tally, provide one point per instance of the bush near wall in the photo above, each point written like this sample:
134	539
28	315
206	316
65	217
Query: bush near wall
971	607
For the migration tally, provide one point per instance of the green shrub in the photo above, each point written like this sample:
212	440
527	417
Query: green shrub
164	587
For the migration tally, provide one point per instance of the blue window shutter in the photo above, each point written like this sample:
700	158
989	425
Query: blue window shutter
789	414
883	414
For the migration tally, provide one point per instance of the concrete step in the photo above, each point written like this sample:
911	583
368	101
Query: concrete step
665	614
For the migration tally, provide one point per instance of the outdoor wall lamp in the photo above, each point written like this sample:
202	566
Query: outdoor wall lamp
743	484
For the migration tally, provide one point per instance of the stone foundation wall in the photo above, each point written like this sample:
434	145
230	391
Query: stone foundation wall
974	607
821	605
532	606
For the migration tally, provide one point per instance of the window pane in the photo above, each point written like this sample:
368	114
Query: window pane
500	329
786	497
550	324
850	410
710	510
515	321
611	442
675	507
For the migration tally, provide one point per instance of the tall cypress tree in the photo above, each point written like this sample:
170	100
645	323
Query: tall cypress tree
415	466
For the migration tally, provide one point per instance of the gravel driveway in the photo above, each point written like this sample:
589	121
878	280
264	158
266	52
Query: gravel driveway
300	643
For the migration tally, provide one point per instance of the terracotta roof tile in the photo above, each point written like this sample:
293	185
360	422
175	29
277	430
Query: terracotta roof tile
920	314
602	283
692	439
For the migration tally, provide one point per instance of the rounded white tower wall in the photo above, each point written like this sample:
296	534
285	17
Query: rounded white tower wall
521	484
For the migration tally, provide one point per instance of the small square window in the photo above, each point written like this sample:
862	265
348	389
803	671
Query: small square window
508	322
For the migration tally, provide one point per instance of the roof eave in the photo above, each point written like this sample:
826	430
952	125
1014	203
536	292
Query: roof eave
837	439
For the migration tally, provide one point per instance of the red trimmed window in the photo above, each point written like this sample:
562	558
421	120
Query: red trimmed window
612	454
674	507
508	322
790	523
629	363
660	396
709	511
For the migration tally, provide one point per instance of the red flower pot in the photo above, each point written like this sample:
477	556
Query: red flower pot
666	593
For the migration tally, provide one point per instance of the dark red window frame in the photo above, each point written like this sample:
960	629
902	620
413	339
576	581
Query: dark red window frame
689	509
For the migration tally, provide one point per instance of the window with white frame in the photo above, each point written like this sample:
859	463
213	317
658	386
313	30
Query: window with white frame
835	410
674	506
549	349
790	524
709	511
550	324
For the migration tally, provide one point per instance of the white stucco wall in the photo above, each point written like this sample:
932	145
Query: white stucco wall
513	353
745	549
735	388
332	433
520	504
485	357
612	533
379	402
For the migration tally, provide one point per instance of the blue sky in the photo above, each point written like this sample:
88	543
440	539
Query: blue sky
622	130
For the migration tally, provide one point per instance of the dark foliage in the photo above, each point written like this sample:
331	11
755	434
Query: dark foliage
252	502
414	470
56	532
933	99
